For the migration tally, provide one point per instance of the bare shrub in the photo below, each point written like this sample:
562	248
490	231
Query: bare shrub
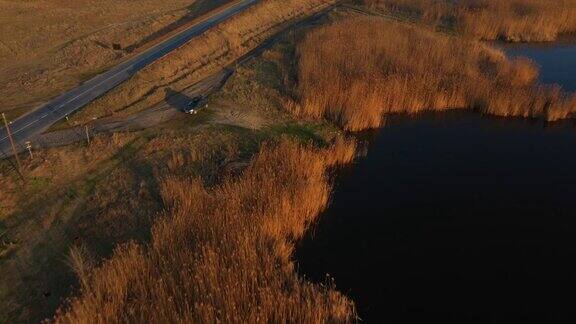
81	263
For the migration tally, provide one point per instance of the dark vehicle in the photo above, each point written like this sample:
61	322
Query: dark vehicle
194	105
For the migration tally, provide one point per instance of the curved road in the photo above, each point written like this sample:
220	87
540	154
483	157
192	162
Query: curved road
39	120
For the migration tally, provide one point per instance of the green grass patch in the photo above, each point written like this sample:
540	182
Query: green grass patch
305	132
37	184
268	73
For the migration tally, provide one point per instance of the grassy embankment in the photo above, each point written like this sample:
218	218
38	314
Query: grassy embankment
201	57
510	20
49	46
112	191
386	67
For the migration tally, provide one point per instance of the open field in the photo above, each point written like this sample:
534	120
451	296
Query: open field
510	20
49	46
96	196
388	67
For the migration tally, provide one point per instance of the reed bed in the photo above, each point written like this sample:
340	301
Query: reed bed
511	20
222	254
356	70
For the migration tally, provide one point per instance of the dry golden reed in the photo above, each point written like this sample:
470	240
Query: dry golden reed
356	70
223	254
511	20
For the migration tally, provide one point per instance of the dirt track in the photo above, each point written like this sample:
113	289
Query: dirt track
168	109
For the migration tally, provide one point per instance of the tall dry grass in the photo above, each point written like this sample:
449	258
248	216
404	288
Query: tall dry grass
223	254
512	20
356	70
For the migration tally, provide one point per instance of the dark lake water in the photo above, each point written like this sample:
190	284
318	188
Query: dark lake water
456	217
557	60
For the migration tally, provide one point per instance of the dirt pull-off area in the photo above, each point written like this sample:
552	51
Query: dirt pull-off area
49	46
201	57
172	107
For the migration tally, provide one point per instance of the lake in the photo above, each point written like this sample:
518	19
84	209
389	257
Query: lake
457	217
557	60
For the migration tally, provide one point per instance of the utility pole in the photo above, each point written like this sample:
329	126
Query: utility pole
9	132
87	135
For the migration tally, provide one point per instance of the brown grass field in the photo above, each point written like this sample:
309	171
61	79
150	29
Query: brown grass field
510	20
386	67
48	46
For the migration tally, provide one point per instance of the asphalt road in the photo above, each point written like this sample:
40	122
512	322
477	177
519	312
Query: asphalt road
32	124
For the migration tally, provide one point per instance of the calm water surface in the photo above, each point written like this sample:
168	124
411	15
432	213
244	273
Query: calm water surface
557	61
455	217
